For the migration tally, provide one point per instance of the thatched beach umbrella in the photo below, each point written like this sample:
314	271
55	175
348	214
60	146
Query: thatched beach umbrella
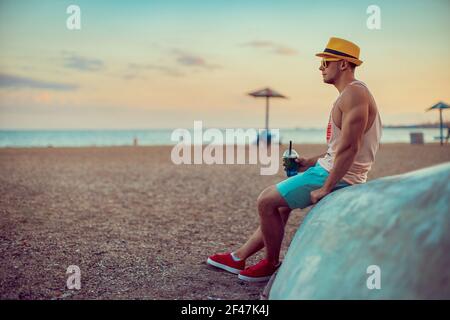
440	106
267	93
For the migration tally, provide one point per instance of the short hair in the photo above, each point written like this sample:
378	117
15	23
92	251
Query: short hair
352	66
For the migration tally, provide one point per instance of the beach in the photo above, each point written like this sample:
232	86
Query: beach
137	225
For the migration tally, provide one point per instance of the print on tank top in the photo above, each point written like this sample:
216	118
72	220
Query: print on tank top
329	130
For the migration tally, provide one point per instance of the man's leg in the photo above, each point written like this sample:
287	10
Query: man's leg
294	192
256	241
254	244
269	203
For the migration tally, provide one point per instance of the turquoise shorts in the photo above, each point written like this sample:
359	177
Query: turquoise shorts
296	190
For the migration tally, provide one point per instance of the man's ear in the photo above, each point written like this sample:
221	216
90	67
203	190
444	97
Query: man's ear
344	65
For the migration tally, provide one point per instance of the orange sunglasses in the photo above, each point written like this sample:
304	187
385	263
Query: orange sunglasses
324	63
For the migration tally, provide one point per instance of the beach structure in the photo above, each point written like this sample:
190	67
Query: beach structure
267	93
416	137
440	106
386	239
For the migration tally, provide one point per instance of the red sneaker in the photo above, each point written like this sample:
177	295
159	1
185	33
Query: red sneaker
226	262
262	271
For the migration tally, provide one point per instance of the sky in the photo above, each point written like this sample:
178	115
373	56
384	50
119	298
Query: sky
165	64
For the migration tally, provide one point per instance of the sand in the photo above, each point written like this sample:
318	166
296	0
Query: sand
138	226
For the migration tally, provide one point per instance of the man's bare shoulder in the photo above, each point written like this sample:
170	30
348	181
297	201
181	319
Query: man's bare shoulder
354	96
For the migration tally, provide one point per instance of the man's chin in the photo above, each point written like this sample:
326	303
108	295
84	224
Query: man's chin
327	81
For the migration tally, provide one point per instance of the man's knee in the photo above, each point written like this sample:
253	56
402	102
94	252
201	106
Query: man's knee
264	197
269	200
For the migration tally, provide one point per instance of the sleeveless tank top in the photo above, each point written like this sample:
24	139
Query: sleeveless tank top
365	157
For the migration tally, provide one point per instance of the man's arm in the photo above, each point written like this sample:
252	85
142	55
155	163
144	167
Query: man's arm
355	112
313	160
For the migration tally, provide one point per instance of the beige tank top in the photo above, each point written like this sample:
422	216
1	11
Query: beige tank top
366	154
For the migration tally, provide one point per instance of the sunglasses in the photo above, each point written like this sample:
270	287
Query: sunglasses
324	63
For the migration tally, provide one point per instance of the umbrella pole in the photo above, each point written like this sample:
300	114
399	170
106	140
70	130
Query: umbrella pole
267	115
441	124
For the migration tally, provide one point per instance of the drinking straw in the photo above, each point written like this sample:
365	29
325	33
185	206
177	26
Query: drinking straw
290	146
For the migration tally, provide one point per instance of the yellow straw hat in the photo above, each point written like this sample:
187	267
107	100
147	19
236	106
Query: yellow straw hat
341	49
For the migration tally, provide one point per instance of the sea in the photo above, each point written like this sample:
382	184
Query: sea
154	137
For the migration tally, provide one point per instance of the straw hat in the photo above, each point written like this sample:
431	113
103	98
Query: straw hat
341	49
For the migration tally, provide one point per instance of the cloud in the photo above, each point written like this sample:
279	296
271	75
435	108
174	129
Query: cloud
259	44
182	59
43	97
275	47
285	51
13	81
131	76
190	60
74	61
135	70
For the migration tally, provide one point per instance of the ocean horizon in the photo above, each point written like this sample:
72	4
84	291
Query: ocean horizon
150	137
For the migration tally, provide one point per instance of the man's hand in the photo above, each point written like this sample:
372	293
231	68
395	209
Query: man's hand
318	194
303	164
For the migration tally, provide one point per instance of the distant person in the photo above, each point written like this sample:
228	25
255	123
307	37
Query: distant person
353	137
448	134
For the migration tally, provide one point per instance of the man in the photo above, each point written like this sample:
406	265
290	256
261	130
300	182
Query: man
353	136
448	134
